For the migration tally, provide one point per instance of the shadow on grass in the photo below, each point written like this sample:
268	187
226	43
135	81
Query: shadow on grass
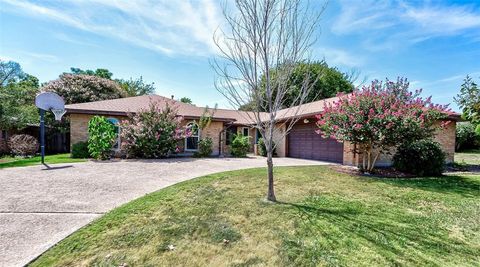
451	184
328	234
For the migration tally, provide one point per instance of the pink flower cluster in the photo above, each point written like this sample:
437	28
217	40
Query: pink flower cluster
380	113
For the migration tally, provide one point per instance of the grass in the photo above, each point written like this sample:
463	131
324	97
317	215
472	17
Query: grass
469	157
7	162
322	218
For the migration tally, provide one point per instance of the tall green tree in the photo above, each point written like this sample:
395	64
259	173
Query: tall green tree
80	88
469	101
132	87
327	82
136	87
17	97
186	100
10	71
102	73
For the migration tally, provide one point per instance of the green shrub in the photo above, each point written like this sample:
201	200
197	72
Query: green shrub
205	147
422	158
101	137
466	137
23	145
240	146
152	133
262	149
80	150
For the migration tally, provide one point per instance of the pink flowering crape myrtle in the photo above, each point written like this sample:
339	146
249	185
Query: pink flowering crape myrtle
154	132
379	117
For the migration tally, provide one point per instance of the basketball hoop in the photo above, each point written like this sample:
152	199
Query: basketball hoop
58	113
48	101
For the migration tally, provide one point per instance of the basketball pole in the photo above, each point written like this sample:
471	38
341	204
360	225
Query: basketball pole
42	134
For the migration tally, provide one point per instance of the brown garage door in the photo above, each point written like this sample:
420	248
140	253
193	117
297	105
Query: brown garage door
304	143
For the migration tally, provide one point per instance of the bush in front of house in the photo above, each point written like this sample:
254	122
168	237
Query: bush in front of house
80	150
466	137
23	145
152	133
376	117
262	149
422	158
240	146
101	137
205	147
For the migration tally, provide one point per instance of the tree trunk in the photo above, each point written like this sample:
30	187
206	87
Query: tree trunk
271	191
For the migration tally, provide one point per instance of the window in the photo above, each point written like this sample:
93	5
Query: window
116	123
191	142
230	134
245	131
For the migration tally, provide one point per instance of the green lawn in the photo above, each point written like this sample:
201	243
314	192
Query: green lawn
470	157
7	162
322	218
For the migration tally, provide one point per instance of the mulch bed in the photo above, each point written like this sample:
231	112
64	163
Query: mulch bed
392	173
467	168
379	172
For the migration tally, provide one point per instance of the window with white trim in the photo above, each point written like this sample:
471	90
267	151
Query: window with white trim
245	131
116	123
191	142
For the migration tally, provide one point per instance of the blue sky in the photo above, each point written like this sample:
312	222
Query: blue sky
435	44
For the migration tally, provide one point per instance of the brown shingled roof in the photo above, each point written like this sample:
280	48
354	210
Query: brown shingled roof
123	106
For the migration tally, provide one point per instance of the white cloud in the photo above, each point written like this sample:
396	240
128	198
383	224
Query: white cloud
43	57
66	38
339	57
169	27
387	25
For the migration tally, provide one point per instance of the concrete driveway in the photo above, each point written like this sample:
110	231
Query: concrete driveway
40	207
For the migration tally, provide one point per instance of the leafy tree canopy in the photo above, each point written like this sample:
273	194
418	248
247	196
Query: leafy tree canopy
329	81
469	101
380	116
17	108
17	97
81	88
186	100
102	73
132	87
10	72
136	87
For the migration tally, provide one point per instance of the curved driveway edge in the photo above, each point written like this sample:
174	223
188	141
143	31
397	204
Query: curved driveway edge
40	207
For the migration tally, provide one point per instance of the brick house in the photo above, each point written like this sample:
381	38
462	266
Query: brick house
301	142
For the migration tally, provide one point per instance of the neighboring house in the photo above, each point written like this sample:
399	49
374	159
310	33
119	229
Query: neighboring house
301	142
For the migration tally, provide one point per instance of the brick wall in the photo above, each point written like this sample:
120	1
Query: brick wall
280	140
349	158
213	131
445	136
79	126
79	130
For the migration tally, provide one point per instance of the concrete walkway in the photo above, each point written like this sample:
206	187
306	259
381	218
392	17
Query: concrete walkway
40	207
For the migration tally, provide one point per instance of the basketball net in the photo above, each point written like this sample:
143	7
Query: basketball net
58	113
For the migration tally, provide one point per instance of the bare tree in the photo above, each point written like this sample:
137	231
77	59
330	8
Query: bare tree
261	35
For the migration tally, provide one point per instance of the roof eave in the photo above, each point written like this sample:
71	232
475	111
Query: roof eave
122	113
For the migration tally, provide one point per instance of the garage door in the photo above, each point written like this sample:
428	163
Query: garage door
304	143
